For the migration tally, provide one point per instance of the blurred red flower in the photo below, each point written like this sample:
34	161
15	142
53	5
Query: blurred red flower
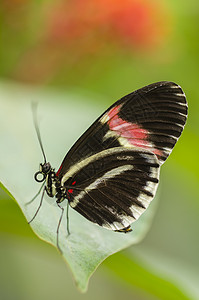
138	23
70	34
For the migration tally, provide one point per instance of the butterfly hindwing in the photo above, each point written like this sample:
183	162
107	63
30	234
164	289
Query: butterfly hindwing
113	187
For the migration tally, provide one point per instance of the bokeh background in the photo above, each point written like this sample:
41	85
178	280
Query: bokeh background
108	48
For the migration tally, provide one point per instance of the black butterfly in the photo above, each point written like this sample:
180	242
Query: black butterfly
111	173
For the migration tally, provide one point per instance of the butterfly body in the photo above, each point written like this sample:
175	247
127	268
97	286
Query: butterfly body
111	174
53	186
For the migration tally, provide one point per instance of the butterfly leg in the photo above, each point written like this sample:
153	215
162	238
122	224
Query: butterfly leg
58	226
40	204
67	218
125	230
37	194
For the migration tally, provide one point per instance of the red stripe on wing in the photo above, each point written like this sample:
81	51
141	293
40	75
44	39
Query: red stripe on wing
135	135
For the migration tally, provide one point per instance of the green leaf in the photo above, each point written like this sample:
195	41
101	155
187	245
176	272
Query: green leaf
133	272
62	118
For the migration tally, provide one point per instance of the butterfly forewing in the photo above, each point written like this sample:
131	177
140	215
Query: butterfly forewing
151	118
114	187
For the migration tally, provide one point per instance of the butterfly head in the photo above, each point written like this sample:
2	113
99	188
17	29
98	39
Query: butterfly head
44	169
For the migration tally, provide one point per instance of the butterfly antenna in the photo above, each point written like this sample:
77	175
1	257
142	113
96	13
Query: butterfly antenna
34	112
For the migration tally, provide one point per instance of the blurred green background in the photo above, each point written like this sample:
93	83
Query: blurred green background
108	48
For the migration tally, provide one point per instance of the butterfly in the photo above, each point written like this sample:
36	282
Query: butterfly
111	174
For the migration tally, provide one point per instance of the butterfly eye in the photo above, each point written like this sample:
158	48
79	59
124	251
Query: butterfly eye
39	176
45	168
